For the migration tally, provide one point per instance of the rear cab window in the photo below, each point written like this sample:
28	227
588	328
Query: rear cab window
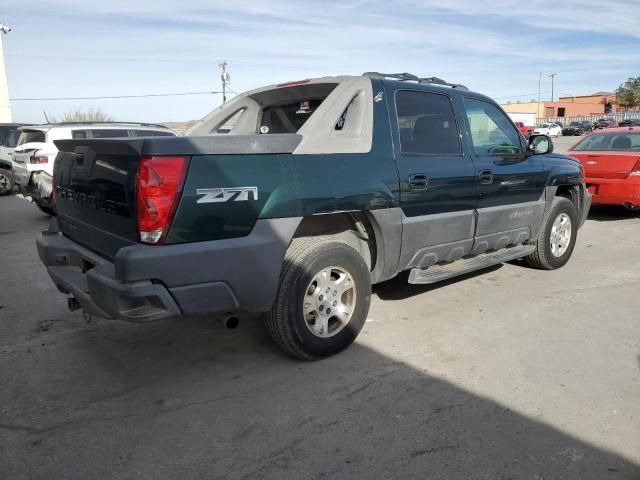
426	124
286	110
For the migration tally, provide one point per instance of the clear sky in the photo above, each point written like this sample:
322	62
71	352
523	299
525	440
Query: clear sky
75	48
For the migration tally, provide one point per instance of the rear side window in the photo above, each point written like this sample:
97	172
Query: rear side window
610	142
31	136
108	133
11	139
79	134
427	124
492	132
151	133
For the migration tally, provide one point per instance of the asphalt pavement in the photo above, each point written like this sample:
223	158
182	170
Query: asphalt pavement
510	373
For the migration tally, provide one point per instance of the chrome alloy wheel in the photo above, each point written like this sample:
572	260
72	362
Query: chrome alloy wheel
560	235
329	302
4	183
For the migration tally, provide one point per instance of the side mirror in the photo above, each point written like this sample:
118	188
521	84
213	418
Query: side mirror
539	145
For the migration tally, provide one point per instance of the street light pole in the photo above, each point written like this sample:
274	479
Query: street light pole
5	107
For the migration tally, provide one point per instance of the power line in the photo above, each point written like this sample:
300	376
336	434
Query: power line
533	95
113	96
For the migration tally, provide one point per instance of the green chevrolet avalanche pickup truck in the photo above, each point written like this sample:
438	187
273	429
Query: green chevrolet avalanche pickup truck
294	199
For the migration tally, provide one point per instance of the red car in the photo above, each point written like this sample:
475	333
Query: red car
611	161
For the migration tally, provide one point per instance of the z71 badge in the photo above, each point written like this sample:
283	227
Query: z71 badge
231	194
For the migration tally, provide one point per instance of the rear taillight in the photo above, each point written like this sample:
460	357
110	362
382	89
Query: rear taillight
636	170
159	186
38	160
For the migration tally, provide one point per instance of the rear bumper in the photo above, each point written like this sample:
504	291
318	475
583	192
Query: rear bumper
147	283
615	191
35	184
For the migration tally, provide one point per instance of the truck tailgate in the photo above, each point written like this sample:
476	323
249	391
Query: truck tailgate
95	185
95	180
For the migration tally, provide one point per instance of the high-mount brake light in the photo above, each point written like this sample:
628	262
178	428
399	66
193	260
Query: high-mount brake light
159	185
294	83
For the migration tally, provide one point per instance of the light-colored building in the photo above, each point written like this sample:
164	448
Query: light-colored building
608	99
555	109
5	106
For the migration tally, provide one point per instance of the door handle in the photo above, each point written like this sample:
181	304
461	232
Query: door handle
486	177
418	181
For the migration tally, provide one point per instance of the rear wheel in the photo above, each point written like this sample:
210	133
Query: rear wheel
557	236
6	182
322	301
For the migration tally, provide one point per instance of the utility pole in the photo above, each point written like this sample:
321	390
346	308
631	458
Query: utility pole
553	77
539	91
5	106
225	77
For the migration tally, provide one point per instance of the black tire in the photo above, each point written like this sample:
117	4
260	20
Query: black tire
542	257
6	182
286	323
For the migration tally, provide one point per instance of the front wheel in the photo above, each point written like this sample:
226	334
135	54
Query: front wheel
557	236
6	182
322	301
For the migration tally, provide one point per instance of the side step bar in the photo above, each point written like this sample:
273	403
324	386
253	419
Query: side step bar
438	273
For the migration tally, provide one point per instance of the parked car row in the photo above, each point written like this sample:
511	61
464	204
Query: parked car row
32	151
577	128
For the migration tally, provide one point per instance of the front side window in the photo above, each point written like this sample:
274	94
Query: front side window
492	133
427	124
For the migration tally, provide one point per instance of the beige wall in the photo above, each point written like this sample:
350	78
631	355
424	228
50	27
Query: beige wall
528	107
550	109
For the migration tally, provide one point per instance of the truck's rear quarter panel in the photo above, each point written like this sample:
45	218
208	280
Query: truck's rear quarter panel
287	186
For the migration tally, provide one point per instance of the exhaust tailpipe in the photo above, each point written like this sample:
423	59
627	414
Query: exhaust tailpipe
231	321
630	206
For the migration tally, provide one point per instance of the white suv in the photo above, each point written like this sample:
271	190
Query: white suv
35	153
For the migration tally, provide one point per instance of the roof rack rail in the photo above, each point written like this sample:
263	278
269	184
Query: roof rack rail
409	77
109	123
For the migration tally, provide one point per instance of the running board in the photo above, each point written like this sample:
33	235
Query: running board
438	273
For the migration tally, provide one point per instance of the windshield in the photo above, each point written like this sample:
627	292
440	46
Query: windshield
544	125
575	124
31	136
622	142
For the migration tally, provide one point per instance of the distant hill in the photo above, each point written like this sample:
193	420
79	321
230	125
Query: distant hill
179	127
